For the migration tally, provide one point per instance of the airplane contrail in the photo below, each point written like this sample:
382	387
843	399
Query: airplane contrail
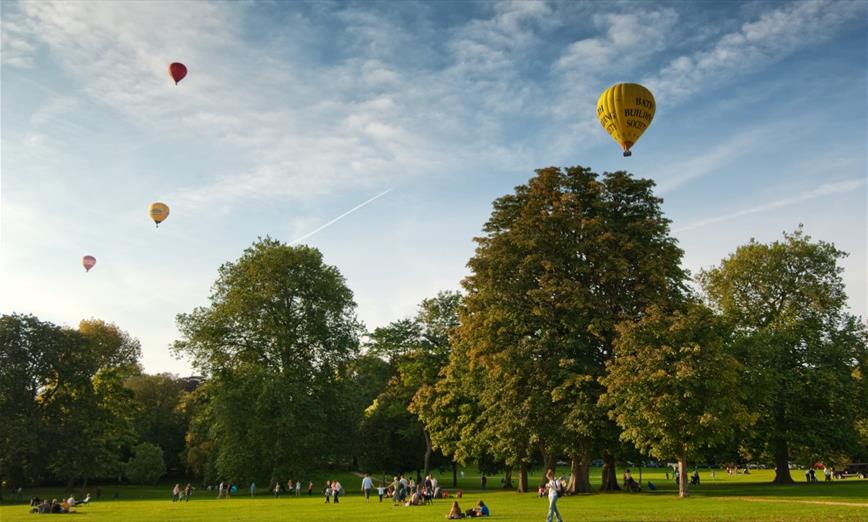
345	214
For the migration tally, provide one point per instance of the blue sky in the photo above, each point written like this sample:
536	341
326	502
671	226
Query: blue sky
295	113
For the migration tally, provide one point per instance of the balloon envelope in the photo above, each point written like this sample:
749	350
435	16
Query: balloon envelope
177	71
88	262
625	110
158	212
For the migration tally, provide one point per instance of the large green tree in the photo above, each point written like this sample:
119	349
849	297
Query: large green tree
799	346
275	342
60	384
673	385
563	259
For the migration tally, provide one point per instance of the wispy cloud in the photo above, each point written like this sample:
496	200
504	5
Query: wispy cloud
827	189
775	35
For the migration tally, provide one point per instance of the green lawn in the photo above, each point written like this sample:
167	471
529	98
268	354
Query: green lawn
737	498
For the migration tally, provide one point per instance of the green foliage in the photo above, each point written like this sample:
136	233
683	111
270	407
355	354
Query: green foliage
63	385
562	261
275	341
673	386
416	350
800	349
146	466
160	416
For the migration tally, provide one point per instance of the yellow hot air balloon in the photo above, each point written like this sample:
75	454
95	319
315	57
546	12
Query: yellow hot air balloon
625	110
159	212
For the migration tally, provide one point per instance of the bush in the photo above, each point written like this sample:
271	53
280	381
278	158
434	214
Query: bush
146	466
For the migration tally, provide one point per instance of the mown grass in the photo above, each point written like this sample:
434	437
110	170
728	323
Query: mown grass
726	498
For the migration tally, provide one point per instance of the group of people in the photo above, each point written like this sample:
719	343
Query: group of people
38	505
407	492
481	510
333	489
179	495
291	488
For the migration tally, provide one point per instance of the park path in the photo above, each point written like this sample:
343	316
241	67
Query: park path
817	502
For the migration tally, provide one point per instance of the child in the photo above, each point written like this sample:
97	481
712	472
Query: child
328	491
380	491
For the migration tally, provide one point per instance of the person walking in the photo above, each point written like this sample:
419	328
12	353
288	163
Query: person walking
554	487
309	488
367	486
188	492
327	491
176	493
253	489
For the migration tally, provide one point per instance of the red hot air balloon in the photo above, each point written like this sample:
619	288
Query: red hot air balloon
88	262
177	71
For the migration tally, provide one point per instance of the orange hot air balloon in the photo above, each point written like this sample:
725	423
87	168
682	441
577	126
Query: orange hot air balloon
158	212
87	262
177	71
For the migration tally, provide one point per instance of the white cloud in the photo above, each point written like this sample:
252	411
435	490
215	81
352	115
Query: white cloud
775	35
827	189
629	39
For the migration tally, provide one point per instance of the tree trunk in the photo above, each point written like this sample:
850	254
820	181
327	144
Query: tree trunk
682	477
427	452
507	478
522	477
640	472
454	474
610	479
83	486
549	462
782	463
580	481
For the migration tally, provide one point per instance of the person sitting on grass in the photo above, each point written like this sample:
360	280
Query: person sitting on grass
455	512
481	510
414	500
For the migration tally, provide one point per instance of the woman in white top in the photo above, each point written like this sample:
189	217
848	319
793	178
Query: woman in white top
554	487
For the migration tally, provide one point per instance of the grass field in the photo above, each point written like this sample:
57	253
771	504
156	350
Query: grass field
740	497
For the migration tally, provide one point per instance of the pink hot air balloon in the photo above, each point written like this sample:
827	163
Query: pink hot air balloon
177	71
88	262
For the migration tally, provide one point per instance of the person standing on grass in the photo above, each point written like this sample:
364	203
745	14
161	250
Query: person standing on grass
176	493
381	489
827	472
554	487
297	487
336	489
309	488
327	492
277	490
367	486
484	481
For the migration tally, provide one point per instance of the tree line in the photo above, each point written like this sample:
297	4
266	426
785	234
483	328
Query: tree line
576	336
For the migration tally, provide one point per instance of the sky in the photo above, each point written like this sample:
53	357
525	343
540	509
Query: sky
381	132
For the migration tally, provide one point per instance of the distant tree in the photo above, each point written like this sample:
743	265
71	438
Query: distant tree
146	466
800	348
159	415
672	385
416	349
276	342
